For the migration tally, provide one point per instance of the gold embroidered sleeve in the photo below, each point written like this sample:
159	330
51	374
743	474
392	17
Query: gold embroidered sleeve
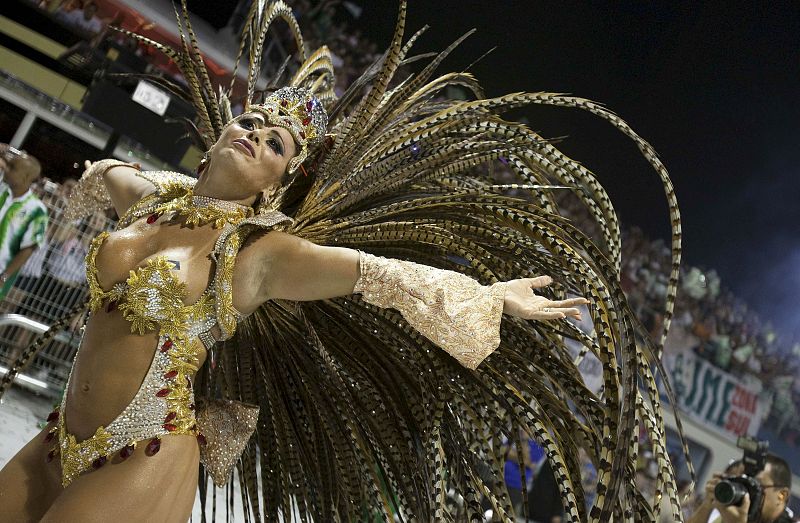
90	194
452	310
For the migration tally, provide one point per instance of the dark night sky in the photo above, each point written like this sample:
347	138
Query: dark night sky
715	89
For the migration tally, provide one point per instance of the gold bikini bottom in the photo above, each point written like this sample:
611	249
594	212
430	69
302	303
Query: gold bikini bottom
164	404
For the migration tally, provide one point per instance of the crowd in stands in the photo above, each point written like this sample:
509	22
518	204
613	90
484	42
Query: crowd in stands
709	319
715	324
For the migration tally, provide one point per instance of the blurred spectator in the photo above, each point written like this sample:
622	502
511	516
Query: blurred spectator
532	456
23	217
544	499
84	20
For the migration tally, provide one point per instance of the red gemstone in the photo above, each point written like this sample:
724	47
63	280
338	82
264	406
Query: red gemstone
170	427
171	416
306	121
302	135
152	218
125	452
50	456
284	103
201	439
99	462
166	346
309	106
153	447
49	437
162	393
171	374
53	416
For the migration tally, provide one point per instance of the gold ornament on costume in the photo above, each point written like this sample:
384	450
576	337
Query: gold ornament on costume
78	457
155	295
199	210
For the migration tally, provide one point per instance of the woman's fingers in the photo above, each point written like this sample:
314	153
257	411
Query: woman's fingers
571	302
530	306
549	315
539	282
554	313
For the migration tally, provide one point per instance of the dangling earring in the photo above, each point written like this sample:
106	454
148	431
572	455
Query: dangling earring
203	163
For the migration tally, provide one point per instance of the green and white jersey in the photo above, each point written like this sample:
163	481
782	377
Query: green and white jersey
23	222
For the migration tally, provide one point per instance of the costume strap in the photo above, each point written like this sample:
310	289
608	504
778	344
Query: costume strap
225	251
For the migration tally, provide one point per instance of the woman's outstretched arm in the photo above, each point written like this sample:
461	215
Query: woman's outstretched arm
281	266
452	310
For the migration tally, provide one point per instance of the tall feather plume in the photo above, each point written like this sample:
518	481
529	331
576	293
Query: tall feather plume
403	178
256	34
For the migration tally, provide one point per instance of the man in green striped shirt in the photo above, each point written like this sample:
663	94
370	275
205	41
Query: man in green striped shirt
23	217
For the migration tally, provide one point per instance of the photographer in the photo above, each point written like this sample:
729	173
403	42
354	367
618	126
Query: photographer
775	481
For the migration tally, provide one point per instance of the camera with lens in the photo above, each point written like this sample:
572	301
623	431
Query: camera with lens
732	489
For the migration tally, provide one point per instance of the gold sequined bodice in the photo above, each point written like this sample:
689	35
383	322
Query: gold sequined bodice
151	297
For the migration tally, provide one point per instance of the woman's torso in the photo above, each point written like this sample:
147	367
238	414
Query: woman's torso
113	361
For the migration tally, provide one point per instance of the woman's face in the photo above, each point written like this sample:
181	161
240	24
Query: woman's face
252	153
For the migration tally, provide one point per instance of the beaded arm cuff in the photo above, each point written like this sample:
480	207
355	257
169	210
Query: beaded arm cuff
226	427
90	194
452	310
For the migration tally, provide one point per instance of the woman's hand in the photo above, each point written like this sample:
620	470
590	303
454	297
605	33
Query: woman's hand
522	302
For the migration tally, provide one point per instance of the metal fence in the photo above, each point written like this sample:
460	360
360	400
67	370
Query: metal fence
51	283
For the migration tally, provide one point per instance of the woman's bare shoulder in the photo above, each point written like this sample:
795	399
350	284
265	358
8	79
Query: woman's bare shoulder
265	247
126	186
